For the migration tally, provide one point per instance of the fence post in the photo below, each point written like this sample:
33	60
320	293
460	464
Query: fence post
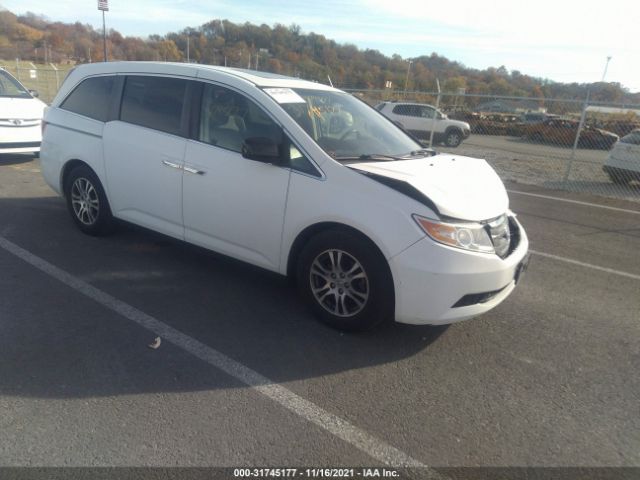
435	113
57	77
18	69
567	171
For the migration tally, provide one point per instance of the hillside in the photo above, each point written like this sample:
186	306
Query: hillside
280	49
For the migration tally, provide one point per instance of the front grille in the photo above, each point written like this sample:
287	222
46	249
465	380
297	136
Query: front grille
19	122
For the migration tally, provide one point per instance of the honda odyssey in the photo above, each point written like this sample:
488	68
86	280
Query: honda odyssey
290	175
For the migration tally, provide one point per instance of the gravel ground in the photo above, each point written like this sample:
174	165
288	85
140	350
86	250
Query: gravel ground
521	161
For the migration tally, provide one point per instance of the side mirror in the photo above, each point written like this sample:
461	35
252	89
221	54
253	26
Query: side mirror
262	149
34	93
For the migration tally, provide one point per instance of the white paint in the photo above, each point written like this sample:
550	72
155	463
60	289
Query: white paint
586	204
212	196
587	265
306	409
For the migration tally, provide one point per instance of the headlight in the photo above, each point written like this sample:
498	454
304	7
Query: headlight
469	236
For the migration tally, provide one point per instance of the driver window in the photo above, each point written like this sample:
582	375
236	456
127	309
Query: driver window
227	118
428	112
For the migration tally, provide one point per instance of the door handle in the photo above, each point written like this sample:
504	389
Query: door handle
193	170
171	164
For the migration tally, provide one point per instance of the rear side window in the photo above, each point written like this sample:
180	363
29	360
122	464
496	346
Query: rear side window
408	110
154	102
91	98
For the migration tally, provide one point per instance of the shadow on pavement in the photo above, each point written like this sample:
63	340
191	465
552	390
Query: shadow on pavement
57	343
15	158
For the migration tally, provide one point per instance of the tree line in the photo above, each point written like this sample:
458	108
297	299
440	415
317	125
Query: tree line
284	50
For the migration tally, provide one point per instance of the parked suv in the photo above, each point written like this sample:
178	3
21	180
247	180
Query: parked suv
20	116
420	120
293	176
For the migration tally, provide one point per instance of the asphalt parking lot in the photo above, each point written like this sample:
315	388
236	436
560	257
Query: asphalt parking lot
245	377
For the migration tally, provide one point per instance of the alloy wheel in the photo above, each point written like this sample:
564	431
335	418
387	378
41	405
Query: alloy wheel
85	202
339	283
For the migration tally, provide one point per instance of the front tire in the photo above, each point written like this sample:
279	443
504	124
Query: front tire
346	281
87	202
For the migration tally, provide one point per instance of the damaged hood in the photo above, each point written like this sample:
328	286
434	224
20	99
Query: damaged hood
460	187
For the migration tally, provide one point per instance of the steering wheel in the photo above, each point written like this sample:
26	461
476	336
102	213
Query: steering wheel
349	132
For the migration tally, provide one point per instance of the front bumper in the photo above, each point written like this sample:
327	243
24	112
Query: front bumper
21	139
431	280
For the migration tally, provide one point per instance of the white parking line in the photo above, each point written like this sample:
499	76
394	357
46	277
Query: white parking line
335	425
587	265
587	204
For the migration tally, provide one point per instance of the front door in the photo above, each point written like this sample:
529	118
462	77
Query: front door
233	205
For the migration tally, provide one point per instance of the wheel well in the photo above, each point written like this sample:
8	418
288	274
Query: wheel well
452	129
306	235
66	170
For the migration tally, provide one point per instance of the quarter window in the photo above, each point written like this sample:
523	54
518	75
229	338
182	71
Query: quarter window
154	102
91	98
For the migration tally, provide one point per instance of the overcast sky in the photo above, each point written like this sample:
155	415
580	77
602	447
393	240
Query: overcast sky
561	40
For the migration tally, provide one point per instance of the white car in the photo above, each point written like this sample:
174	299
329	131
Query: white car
420	120
623	163
20	117
256	166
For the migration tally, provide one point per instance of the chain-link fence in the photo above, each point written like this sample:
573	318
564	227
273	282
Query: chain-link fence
569	144
43	78
574	145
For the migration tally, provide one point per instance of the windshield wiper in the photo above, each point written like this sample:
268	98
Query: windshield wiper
371	157
423	152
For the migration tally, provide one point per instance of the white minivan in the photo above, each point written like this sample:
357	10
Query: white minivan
290	175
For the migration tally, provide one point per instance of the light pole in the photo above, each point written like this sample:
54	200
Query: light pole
103	5
606	65
406	80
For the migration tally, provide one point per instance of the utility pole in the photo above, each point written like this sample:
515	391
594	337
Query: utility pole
606	66
406	80
103	5
188	59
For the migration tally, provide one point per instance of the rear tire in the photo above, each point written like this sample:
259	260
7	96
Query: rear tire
346	281
87	202
453	138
